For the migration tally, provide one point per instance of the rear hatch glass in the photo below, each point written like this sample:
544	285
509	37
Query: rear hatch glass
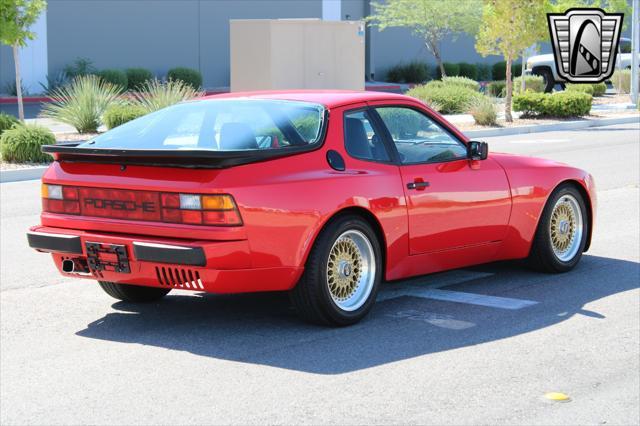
220	126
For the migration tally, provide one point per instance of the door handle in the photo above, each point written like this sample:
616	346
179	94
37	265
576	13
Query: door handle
417	185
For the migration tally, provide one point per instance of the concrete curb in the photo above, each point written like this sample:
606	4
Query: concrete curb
569	125
17	175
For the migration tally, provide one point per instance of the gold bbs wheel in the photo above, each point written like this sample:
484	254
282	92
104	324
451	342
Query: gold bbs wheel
351	270
565	228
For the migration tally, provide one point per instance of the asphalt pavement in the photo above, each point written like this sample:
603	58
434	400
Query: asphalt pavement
481	345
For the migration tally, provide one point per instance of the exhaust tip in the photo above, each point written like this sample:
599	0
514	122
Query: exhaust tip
68	266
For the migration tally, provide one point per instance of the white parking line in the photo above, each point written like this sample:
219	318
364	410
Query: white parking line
432	291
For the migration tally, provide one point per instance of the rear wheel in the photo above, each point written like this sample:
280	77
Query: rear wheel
562	232
133	293
342	275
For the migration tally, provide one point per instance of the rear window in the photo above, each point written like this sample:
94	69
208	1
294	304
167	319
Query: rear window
220	125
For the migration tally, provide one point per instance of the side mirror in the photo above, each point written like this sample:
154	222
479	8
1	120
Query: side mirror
477	150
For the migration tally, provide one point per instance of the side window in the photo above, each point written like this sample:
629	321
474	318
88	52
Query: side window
361	140
419	139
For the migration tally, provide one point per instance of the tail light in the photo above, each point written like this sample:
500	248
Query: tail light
191	209
196	209
60	199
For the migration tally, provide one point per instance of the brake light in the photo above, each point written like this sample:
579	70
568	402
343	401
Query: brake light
196	209
60	199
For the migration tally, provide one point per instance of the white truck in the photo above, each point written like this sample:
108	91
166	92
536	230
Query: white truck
545	66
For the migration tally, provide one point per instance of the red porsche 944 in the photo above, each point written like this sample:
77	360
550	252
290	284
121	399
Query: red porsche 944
322	194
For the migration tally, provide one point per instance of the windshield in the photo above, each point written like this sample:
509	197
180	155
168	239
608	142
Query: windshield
219	125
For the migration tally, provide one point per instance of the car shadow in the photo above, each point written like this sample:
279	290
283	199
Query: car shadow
264	329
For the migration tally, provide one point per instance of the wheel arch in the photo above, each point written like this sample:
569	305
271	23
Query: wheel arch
579	186
366	215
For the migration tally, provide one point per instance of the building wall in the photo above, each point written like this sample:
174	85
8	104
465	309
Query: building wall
158	34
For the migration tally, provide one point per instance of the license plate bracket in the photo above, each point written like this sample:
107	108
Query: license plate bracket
107	257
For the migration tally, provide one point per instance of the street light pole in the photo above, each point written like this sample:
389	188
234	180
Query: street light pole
635	50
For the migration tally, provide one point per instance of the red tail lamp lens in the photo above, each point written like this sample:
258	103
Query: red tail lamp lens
60	199
196	209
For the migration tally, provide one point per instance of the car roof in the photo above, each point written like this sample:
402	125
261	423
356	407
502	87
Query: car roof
328	98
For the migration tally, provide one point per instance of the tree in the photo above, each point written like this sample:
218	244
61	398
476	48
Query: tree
508	27
16	17
432	20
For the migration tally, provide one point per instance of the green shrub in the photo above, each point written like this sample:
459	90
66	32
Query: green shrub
484	111
115	77
581	88
445	98
188	76
136	77
468	70
6	122
499	70
22	144
484	72
401	122
54	82
595	89
462	81
413	72
82	103
532	83
79	67
450	69
621	80
497	88
155	95
561	104
116	114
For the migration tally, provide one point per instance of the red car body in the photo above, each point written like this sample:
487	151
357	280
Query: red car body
473	212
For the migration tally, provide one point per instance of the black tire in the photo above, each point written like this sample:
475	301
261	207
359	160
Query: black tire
547	75
312	297
542	256
133	293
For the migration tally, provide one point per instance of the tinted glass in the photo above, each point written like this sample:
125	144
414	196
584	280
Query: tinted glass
419	139
219	125
360	138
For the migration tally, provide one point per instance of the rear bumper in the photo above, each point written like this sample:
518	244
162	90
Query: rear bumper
204	265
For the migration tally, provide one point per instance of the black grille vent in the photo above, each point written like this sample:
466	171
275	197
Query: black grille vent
179	278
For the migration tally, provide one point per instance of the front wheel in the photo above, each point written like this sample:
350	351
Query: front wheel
133	293
547	76
562	232
342	274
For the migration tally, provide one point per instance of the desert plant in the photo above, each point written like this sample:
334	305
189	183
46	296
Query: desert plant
621	80
155	94
118	114
23	143
54	82
6	122
137	77
496	88
468	70
82	103
445	98
413	72
462	81
532	83
79	67
484	111
561	104
12	90
188	76
115	77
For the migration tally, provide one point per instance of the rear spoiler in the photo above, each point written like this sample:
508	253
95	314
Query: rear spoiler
192	158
